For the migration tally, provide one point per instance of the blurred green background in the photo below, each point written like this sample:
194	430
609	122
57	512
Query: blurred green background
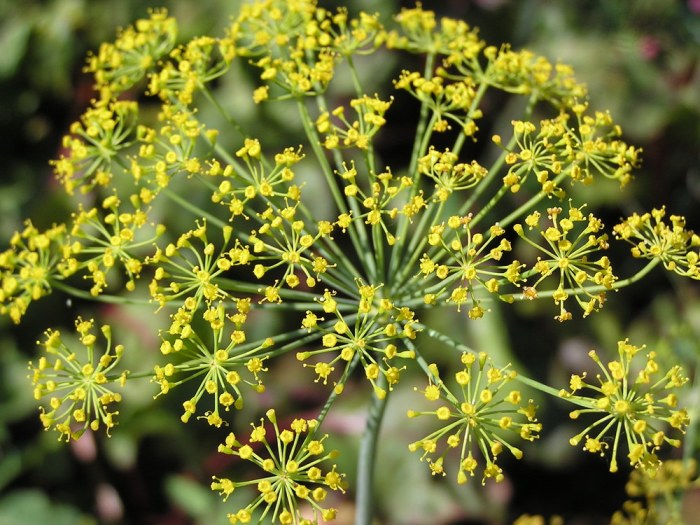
640	59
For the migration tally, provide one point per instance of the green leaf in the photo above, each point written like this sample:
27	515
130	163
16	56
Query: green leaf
199	502
31	506
13	42
194	499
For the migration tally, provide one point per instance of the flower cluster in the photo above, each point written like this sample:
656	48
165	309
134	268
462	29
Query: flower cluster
370	339
660	495
556	151
568	254
673	476
101	241
480	420
28	266
448	173
283	242
187	269
632	513
190	67
638	404
239	189
370	113
119	65
92	148
294	487
468	261
79	383
221	360
653	238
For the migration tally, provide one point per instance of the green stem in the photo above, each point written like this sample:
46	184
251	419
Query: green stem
369	152
692	430
139	375
527	206
443	338
358	235
103	298
303	307
285	293
422	122
497	165
551	391
538	386
417	244
307	122
366	458
486	181
472	108
486	208
196	210
233	122
378	241
331	398
293	344
419	143
327	406
296	338
399	252
601	288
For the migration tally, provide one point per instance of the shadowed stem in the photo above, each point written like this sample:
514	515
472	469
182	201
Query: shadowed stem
366	457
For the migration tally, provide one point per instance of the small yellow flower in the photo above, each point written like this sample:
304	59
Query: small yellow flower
634	405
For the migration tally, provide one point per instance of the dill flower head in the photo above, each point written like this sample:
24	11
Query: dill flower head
673	476
480	416
654	237
638	404
572	242
118	65
213	351
327	248
28	266
293	484
78	380
92	148
371	339
109	238
658	493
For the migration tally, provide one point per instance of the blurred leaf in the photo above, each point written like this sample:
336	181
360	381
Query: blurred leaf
14	36
201	503
190	495
29	506
10	467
